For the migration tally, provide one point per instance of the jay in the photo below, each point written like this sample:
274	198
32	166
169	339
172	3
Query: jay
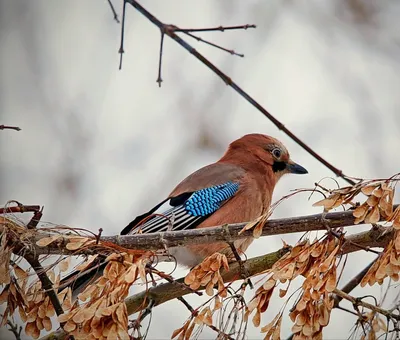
237	188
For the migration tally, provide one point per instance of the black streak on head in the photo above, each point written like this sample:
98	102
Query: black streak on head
278	166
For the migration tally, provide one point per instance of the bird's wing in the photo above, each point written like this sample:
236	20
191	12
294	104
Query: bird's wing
192	201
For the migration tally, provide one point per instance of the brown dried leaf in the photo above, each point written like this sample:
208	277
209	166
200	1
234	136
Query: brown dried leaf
225	263
4	294
367	190
257	232
208	317
190	277
75	245
32	330
267	327
331	282
65	317
372	201
20	273
282	292
47	324
45	241
324	314
217	303
257	319
5	265
373	216
329	202
64	264
176	332
269	284
132	273
361	210
189	331
210	289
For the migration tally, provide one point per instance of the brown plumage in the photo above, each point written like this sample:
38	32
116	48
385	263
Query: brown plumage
256	162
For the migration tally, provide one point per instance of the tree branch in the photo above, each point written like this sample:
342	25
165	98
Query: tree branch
6	127
359	302
227	233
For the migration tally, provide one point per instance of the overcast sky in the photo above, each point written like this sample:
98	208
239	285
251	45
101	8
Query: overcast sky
99	146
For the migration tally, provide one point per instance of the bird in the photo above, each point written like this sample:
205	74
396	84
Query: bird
237	188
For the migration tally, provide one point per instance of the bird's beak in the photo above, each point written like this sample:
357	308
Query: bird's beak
295	168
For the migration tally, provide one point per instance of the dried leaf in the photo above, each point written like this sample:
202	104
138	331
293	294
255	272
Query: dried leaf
45	241
257	232
256	319
367	190
64	264
373	216
372	201
329	202
282	292
5	265
269	284
361	210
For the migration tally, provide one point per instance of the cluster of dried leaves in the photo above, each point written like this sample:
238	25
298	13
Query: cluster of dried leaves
207	274
40	309
317	263
34	306
378	206
387	265
102	312
204	317
379	202
376	325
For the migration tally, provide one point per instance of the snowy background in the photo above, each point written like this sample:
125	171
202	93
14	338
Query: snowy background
99	146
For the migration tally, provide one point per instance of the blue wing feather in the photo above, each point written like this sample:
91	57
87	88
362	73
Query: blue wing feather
189	213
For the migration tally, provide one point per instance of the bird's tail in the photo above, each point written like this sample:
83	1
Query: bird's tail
78	280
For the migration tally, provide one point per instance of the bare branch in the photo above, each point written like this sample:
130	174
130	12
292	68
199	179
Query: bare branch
20	208
227	233
113	11
358	302
213	29
6	127
213	45
14	328
228	81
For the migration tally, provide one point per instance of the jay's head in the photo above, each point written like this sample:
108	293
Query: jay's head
265	152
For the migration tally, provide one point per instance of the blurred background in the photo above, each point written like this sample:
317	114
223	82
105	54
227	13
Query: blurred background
99	146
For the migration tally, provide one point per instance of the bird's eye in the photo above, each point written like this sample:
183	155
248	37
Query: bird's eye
276	153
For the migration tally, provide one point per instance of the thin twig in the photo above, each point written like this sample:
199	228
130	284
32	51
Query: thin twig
32	224
353	283
214	45
14	328
359	302
159	79
20	208
113	11
219	28
227	80
7	127
121	47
